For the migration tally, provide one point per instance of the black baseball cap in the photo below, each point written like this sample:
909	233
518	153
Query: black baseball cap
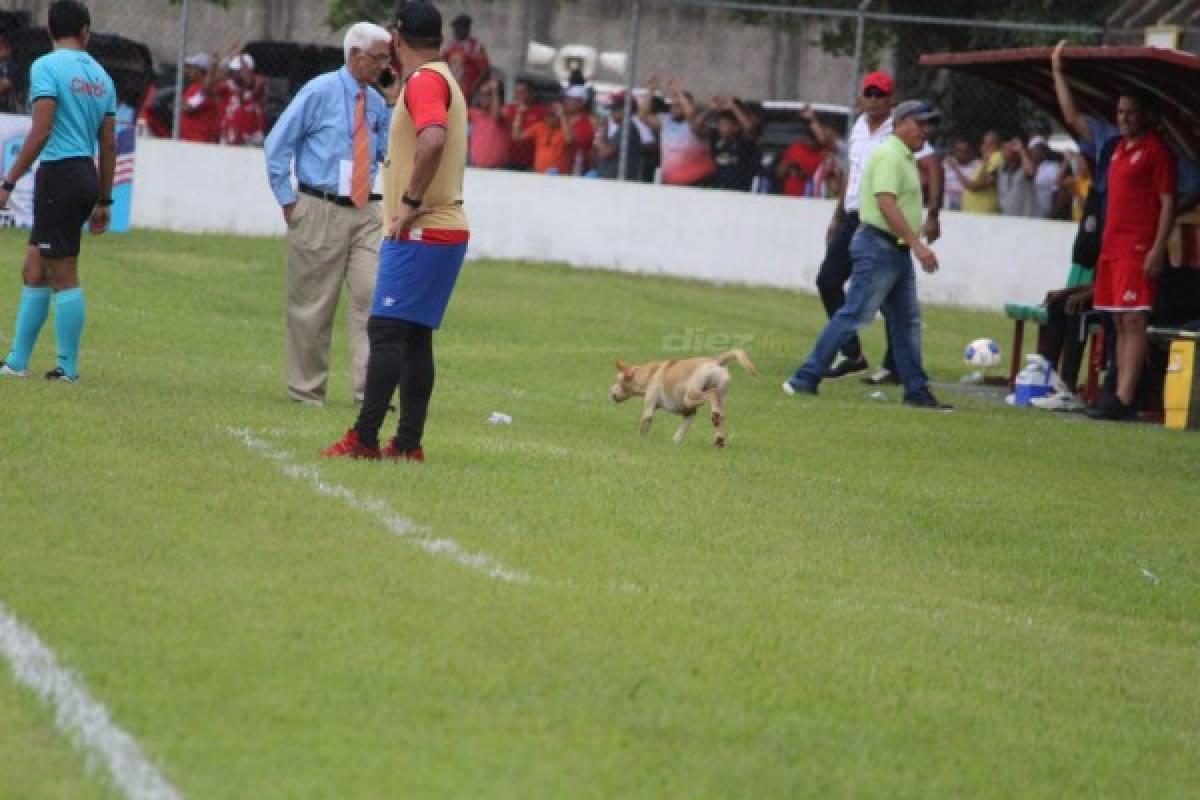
419	19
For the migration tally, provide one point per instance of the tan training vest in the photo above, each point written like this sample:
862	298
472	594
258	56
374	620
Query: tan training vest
441	207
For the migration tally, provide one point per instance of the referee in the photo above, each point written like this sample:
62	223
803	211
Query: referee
74	105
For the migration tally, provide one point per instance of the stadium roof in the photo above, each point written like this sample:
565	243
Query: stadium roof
1096	75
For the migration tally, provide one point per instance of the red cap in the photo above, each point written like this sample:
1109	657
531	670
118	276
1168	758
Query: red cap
879	80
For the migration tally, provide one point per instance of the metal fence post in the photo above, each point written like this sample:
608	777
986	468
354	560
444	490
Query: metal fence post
630	82
183	43
858	65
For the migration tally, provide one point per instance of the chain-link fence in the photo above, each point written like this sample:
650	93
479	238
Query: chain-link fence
774	57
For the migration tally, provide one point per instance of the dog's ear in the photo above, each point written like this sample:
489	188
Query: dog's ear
622	367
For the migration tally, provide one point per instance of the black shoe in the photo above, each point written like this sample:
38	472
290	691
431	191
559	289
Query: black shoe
847	366
925	399
1111	409
883	376
57	374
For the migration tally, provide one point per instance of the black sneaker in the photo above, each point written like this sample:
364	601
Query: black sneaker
846	366
57	374
883	376
1111	409
925	399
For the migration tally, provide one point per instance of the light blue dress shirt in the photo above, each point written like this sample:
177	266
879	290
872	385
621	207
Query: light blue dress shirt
316	131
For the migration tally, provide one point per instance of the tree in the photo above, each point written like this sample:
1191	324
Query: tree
970	105
344	12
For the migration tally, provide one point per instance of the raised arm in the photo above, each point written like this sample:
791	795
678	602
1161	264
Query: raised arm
696	120
645	106
1066	102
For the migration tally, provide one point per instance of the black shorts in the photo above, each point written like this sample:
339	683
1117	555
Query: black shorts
64	194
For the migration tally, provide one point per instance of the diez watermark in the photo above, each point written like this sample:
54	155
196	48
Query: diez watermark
701	340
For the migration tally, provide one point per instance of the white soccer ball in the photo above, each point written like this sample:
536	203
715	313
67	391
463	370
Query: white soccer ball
982	353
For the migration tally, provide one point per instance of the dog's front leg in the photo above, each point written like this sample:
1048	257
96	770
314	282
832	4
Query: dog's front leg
648	409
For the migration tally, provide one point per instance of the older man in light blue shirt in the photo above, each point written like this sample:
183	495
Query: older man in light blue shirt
335	133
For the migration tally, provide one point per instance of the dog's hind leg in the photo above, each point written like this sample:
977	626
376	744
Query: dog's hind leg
716	399
688	418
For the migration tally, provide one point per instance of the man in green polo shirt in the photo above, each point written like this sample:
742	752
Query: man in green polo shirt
882	251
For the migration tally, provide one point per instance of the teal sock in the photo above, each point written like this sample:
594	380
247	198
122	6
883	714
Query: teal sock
68	327
31	315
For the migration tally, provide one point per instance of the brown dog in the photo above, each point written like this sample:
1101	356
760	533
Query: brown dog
680	386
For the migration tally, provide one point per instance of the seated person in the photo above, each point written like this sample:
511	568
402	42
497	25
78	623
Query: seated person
1062	345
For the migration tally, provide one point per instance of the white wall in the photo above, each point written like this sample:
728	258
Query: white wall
716	236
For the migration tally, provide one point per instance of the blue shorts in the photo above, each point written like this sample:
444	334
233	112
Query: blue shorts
415	280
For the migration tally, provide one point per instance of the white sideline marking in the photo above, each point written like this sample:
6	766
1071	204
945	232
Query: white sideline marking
401	526
79	715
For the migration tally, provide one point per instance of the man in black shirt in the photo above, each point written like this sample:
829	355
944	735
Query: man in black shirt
736	156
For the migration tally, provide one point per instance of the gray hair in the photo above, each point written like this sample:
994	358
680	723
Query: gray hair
362	35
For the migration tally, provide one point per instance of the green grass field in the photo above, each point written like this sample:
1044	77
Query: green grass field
854	599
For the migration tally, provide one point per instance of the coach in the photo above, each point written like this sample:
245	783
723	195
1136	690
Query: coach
335	130
425	245
882	250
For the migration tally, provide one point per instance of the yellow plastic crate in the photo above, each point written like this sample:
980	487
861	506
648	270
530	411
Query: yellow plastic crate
1181	395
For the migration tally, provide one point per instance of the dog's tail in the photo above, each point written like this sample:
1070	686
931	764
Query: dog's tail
741	357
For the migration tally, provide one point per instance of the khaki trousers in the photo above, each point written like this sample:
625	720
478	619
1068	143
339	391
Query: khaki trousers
328	245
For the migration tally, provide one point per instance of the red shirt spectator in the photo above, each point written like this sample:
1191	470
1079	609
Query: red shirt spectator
467	58
155	122
800	163
200	118
244	100
491	134
579	156
520	153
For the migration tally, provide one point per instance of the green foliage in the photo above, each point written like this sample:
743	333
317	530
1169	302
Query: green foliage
345	12
221	3
968	108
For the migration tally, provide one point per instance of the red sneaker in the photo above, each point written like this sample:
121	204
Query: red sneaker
350	447
392	453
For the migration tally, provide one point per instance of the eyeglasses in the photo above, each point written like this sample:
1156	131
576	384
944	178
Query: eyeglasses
873	92
378	58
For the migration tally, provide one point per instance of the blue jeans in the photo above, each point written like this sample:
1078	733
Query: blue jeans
883	279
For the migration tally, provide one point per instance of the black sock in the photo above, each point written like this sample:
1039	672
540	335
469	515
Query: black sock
385	366
416	387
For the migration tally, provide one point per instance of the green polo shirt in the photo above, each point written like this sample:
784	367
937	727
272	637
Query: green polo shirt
891	169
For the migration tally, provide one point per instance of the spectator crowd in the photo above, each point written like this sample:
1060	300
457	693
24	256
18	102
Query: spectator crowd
672	139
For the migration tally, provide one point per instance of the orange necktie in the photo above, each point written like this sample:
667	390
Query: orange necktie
360	173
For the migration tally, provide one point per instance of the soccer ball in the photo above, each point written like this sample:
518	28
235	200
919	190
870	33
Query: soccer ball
982	353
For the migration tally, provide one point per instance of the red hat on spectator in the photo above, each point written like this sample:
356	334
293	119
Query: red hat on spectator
879	80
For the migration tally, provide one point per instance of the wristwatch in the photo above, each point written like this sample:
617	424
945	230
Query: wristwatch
104	201
411	202
8	186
